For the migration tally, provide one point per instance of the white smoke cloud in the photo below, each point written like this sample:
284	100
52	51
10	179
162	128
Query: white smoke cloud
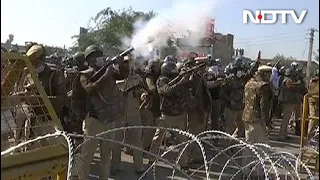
183	17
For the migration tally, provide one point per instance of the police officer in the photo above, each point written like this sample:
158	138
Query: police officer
232	95
313	104
257	98
132	89
175	101
53	82
52	79
150	107
214	81
79	61
197	116
291	97
105	105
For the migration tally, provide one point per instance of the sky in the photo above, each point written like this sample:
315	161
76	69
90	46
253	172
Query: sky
54	22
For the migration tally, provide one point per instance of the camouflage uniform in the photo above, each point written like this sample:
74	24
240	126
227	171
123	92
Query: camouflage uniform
232	91
313	105
291	97
131	118
257	100
256	116
197	116
175	101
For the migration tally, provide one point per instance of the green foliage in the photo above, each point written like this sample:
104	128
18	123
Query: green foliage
283	58
110	27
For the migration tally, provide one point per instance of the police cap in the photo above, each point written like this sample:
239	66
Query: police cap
35	52
264	68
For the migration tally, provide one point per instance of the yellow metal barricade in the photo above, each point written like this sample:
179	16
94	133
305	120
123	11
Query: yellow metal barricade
308	155
27	113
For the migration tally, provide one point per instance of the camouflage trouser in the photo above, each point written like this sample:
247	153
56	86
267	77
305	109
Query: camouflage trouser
92	126
179	122
234	123
313	111
288	109
254	133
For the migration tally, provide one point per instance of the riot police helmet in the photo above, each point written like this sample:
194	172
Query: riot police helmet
289	72
169	58
79	57
294	65
209	56
179	66
238	60
92	49
169	69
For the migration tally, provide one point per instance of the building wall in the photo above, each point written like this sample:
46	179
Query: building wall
223	48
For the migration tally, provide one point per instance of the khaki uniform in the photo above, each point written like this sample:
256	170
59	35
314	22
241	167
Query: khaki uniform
92	127
53	82
147	119
150	112
255	116
132	118
105	106
313	105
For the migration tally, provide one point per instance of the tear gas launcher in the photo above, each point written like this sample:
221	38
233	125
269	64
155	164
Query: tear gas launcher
113	61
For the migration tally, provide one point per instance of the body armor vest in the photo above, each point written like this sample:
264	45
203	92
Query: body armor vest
291	95
107	102
179	103
252	111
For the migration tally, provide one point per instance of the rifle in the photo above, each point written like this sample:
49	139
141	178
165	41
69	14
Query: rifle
114	60
194	68
278	61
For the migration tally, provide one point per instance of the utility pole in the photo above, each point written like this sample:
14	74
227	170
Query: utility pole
312	31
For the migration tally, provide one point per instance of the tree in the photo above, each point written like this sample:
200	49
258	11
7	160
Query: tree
110	28
284	61
283	58
279	57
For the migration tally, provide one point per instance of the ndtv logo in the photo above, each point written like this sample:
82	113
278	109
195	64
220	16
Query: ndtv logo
260	16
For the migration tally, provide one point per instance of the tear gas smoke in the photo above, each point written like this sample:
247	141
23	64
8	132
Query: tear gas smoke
184	18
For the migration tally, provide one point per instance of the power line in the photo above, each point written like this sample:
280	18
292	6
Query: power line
270	42
267	38
273	35
305	48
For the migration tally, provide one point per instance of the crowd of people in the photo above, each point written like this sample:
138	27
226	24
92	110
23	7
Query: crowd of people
193	95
